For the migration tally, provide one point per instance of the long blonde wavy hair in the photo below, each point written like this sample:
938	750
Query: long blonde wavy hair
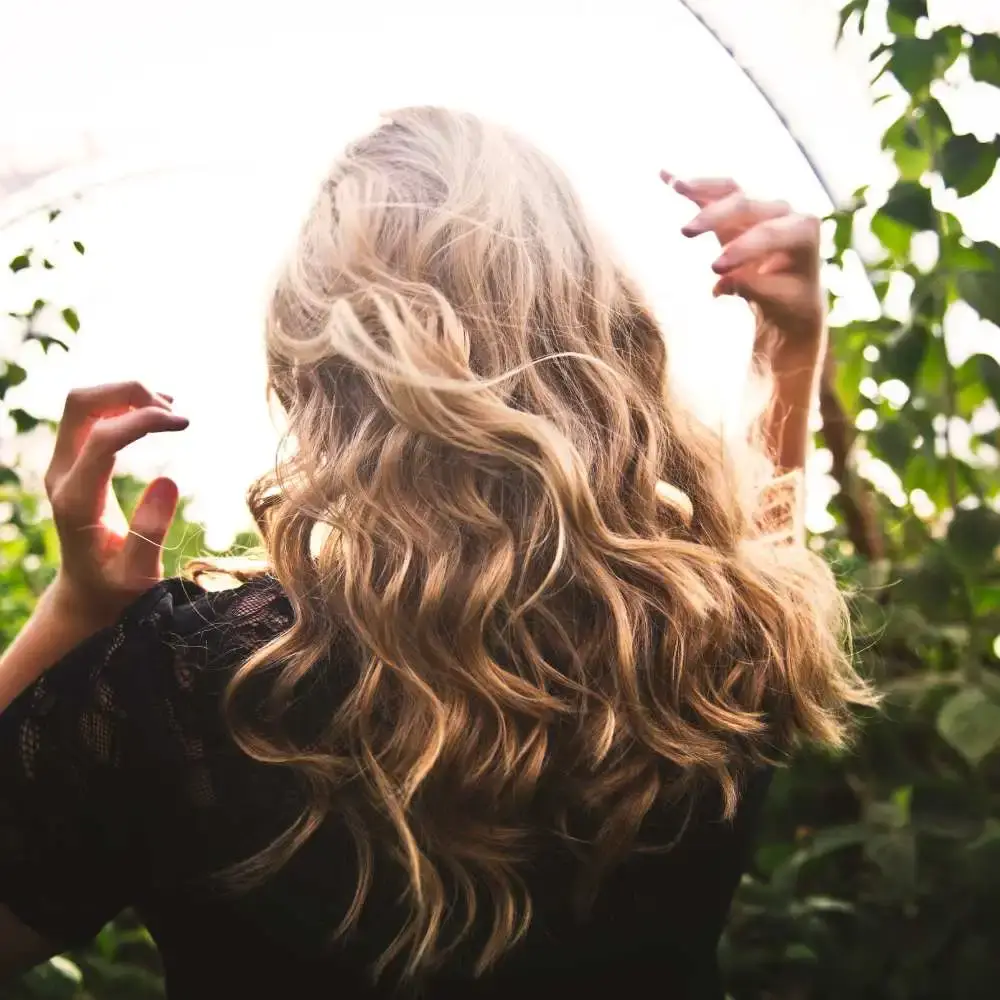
478	409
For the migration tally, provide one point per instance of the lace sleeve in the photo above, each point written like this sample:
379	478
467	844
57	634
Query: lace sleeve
781	517
71	854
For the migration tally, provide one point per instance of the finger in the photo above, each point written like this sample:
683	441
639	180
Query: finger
82	490
142	554
796	235
734	214
702	190
766	290
84	406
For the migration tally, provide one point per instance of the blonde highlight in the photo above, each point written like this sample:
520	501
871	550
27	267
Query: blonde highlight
563	602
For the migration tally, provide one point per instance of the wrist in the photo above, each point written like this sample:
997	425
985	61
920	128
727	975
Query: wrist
70	604
797	359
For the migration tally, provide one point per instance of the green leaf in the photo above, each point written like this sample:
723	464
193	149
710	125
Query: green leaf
969	256
47	264
970	392
858	7
13	375
23	420
989	372
67	968
937	120
80	248
974	536
896	238
913	10
71	318
8	477
977	379
893	442
913	158
981	288
986	599
903	355
966	164
915	62
903	15
984	59
54	214
843	234
20	262
910	204
45	341
970	722
927	472
798	952
929	299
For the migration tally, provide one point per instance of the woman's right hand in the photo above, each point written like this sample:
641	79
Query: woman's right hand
107	562
770	257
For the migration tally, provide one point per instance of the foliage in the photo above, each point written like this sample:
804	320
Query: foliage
877	875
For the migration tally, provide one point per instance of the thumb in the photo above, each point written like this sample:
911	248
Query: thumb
143	549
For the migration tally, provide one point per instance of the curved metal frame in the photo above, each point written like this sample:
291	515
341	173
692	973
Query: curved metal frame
770	99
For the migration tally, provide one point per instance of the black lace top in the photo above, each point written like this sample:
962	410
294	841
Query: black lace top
120	786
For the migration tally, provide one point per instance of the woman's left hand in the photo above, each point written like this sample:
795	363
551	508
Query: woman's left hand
106	562
770	257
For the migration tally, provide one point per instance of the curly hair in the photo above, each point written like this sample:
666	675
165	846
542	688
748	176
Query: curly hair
563	603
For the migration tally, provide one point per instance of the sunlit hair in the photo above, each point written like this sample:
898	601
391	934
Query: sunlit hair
547	643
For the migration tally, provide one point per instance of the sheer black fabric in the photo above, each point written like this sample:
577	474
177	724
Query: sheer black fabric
120	786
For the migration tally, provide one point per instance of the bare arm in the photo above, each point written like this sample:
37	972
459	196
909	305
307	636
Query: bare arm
795	371
770	257
104	567
53	629
106	562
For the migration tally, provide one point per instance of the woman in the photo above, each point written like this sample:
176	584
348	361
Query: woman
500	715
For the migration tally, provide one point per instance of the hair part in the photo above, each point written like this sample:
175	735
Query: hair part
479	405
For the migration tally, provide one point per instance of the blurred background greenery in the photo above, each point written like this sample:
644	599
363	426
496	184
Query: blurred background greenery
877	875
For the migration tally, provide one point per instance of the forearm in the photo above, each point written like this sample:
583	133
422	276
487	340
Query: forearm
49	634
794	369
795	372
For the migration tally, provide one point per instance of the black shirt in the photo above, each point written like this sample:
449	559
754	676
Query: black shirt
121	786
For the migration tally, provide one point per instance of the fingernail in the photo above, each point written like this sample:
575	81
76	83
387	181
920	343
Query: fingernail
722	265
178	422
162	493
667	177
692	229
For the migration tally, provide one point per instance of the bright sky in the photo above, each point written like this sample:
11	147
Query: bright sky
222	126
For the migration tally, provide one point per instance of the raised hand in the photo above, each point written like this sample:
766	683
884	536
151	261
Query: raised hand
770	256
107	562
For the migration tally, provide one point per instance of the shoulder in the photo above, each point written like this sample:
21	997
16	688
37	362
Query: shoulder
166	660
207	625
179	608
180	617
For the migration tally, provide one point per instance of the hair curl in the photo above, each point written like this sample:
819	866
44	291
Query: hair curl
478	403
